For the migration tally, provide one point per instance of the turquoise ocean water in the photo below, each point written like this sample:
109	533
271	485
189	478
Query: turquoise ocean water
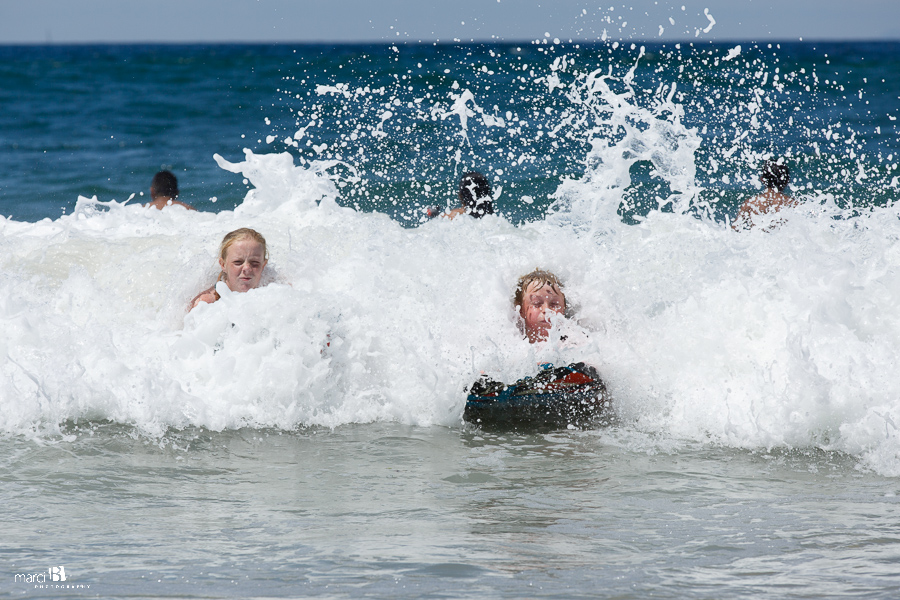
306	439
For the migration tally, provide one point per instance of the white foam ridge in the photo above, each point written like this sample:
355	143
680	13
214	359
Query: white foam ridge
776	337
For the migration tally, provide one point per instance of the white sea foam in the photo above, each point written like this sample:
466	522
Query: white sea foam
781	338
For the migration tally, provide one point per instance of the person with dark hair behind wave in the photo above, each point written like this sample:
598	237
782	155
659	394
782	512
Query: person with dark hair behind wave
475	198
164	191
775	176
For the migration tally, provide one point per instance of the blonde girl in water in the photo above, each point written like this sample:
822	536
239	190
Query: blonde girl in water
242	257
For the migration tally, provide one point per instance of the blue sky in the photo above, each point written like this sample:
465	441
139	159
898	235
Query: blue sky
65	21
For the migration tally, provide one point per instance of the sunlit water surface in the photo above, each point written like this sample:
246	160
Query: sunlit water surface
389	510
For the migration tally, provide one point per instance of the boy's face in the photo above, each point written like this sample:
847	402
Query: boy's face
539	301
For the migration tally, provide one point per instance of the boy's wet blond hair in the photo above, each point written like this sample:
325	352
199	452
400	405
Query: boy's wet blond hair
537	276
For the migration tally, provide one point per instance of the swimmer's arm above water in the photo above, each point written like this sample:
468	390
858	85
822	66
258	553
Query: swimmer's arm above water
208	296
452	214
436	211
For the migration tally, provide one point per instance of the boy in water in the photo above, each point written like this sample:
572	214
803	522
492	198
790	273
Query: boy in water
554	397
538	296
164	190
475	198
775	177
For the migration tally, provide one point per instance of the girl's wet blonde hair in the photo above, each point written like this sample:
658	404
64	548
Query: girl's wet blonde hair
242	234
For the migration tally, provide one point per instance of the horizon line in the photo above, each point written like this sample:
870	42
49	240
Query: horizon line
454	42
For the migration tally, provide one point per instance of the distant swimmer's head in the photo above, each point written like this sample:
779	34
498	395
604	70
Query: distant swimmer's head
164	190
774	175
538	295
164	185
242	256
475	194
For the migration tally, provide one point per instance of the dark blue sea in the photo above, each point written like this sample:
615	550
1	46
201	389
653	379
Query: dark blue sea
101	120
306	438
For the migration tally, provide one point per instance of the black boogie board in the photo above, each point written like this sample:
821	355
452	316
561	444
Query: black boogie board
553	399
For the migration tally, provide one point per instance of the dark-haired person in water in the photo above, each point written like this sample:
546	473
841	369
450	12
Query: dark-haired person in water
242	258
475	198
164	191
775	177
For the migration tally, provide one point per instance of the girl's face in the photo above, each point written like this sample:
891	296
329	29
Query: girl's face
243	265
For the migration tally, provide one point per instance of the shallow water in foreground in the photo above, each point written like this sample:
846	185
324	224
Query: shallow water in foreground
387	510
